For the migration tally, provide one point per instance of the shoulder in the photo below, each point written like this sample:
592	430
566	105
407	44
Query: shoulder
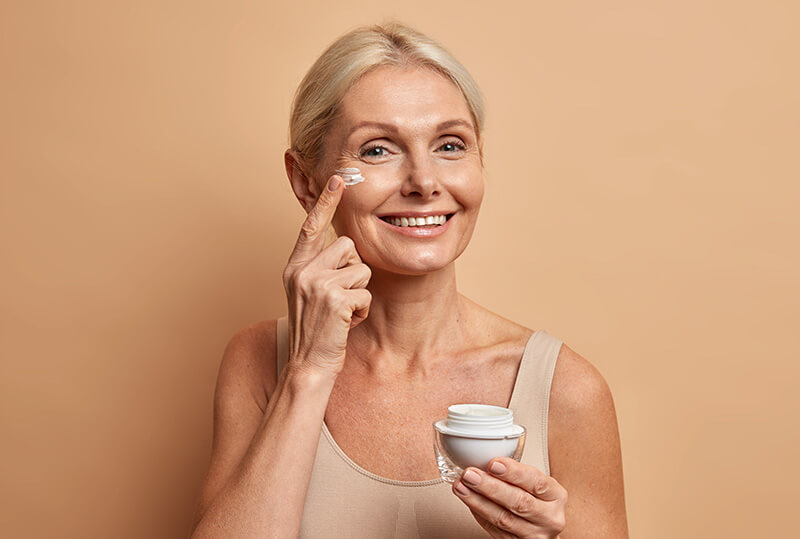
581	408
249	361
577	387
584	446
239	403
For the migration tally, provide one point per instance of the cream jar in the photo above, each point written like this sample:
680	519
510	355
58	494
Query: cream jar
474	434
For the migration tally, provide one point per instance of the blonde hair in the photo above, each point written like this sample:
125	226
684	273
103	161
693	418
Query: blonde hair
317	99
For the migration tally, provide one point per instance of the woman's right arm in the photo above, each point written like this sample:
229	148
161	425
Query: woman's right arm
265	493
326	291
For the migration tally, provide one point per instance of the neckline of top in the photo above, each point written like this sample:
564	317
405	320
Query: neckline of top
526	351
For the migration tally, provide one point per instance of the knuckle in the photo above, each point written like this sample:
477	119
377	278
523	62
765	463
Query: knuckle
347	242
337	298
309	229
560	521
301	279
522	504
310	285
540	485
332	294
503	519
353	297
367	270
367	300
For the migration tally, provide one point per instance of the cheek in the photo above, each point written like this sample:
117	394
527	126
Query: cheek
357	205
468	188
477	193
377	187
380	179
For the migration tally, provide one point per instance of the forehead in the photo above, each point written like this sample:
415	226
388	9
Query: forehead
409	97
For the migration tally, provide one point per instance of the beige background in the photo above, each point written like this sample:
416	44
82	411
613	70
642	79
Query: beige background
642	193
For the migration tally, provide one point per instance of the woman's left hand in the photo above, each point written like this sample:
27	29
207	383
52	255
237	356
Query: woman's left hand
513	499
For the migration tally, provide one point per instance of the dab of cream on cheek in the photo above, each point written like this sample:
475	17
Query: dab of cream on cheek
474	434
351	176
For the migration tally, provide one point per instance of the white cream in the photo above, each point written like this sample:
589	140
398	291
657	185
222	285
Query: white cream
351	176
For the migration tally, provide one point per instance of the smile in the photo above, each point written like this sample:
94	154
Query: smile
418	221
418	227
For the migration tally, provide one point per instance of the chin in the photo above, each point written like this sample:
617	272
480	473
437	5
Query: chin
421	264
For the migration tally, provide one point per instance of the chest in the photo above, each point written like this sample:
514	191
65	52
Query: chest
387	427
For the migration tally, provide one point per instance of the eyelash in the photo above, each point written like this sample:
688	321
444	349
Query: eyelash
458	144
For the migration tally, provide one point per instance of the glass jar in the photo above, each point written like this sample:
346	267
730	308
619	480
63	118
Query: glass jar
474	434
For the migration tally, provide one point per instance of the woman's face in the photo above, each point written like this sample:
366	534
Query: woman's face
411	134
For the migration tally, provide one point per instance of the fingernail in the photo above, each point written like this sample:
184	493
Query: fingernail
461	489
497	468
471	478
333	184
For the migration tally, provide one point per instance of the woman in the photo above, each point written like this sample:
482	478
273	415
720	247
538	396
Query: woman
323	418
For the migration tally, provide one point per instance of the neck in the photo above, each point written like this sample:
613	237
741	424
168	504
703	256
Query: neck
412	319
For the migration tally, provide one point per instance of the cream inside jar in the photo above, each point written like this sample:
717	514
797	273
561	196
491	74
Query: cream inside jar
474	434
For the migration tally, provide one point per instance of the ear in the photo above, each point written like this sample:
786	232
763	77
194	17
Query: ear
304	187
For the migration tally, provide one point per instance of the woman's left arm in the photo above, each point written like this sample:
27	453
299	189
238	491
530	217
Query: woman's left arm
587	498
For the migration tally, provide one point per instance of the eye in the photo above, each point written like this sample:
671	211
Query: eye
374	150
452	146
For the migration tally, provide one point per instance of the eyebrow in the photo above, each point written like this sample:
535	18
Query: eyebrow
393	128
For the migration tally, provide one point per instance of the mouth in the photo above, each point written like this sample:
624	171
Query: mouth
427	221
417	226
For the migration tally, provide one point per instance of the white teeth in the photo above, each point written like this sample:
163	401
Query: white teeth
418	221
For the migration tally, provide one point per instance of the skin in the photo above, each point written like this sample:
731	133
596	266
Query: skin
422	345
412	172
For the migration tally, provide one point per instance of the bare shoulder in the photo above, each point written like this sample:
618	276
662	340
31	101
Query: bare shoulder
584	448
250	358
577	386
240	401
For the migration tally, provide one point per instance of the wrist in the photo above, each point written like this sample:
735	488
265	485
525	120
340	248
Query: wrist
301	379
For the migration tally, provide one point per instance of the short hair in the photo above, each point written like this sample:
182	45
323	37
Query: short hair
317	99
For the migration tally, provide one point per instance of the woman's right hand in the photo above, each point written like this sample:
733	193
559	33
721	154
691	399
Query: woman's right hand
325	289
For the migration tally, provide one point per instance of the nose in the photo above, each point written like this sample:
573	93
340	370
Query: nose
421	179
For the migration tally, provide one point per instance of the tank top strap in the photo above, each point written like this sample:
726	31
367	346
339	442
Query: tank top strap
282	337
531	397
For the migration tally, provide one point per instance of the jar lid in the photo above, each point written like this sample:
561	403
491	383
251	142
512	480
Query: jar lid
479	421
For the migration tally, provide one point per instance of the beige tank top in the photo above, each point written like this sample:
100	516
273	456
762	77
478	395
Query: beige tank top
347	501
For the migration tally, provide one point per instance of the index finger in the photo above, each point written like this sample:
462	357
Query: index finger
527	477
311	240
